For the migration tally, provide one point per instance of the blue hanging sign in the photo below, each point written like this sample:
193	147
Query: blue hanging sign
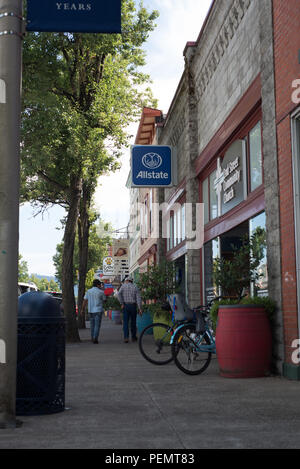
152	166
83	16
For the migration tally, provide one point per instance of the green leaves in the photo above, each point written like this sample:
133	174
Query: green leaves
233	275
80	93
157	282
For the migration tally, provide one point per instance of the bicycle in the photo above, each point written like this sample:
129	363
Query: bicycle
193	344
155	339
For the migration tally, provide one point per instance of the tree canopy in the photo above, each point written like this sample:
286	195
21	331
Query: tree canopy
80	93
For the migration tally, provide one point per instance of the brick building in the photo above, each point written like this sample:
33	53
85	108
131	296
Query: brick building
286	43
219	123
235	127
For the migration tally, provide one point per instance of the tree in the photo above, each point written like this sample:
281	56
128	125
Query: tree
96	252
23	275
80	92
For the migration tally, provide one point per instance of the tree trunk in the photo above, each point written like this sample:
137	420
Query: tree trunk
83	240
69	304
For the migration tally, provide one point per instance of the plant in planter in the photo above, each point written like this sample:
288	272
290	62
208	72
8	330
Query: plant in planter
243	330
112	303
155	285
233	276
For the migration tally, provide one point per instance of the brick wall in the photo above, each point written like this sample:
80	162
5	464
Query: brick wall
286	17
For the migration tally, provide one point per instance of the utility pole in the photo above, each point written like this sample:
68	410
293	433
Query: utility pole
10	108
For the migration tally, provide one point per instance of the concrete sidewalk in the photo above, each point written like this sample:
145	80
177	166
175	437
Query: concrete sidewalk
117	400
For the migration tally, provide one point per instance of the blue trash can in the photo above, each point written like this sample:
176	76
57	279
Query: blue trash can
41	355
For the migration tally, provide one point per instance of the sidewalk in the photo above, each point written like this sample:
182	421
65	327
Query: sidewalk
117	400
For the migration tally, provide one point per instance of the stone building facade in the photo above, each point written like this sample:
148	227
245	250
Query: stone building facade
234	123
224	106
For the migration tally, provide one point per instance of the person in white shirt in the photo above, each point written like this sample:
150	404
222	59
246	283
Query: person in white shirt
94	299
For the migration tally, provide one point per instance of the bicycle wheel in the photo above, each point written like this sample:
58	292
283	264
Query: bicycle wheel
154	343
186	353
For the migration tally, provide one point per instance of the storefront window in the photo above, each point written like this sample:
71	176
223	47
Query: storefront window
175	228
211	252
213	197
183	222
224	247
171	231
260	288
255	157
205	200
210	198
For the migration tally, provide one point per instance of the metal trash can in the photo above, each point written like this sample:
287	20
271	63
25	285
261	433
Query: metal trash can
41	355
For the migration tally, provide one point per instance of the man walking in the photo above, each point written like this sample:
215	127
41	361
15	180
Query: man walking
94	299
130	299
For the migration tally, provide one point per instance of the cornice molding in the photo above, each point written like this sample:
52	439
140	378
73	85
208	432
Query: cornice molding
224	37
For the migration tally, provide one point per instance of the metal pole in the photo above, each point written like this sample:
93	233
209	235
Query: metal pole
10	87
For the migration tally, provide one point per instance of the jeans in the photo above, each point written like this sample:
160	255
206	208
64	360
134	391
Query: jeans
129	315
95	322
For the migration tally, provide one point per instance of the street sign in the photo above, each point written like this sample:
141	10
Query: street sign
153	166
83	16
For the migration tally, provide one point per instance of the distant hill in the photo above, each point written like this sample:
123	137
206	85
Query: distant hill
48	277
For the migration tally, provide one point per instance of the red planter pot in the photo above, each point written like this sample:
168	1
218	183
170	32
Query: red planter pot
243	341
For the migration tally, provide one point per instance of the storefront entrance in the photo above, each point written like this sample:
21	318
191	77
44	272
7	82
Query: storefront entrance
224	246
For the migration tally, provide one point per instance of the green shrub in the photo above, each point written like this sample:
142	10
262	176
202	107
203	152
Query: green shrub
112	303
265	301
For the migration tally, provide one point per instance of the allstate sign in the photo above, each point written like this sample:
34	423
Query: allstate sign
152	166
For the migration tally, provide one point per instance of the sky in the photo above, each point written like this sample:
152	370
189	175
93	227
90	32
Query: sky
180	21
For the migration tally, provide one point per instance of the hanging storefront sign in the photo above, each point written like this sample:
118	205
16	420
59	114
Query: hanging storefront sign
153	166
108	266
120	249
231	183
84	16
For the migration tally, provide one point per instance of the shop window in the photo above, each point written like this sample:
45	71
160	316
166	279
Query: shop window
171	231
213	199
176	227
255	157
183	222
224	246
211	252
150	211
210	199
205	200
260	288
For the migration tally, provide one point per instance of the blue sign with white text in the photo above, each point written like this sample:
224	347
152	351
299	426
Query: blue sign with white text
151	165
84	16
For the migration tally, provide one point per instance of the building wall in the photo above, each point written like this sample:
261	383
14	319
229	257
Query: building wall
271	175
134	233
175	133
219	68
286	17
225	63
